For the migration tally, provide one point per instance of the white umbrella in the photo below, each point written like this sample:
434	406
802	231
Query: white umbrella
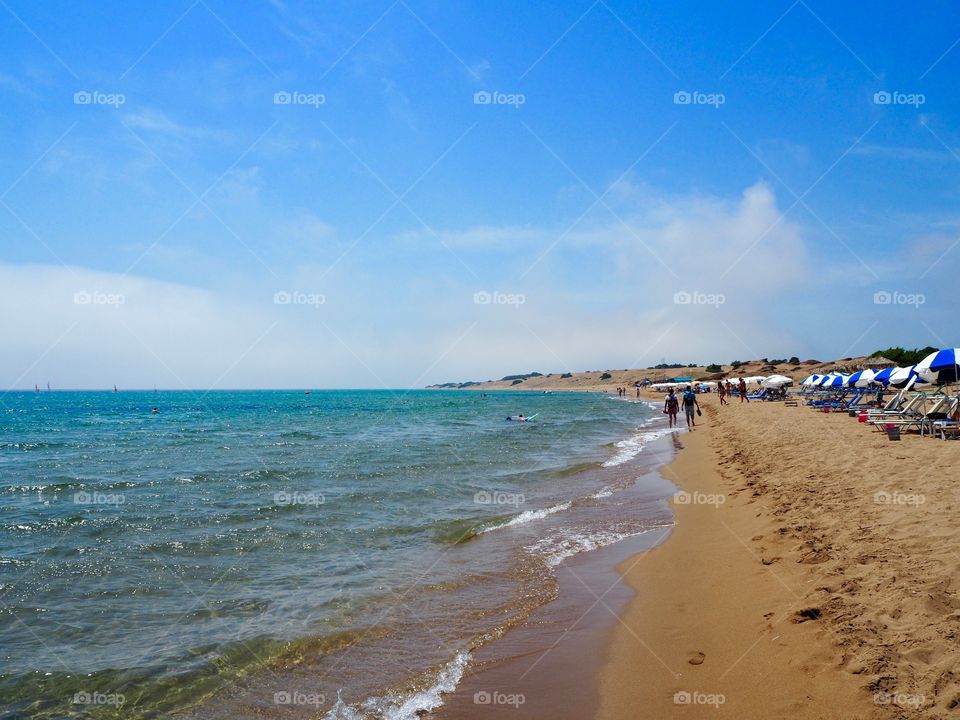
777	381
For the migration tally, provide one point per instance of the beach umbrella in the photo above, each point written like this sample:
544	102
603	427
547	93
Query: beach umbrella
883	376
824	380
837	381
941	367
903	377
777	381
861	378
810	380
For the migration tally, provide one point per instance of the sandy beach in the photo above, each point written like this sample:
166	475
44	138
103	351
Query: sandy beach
811	574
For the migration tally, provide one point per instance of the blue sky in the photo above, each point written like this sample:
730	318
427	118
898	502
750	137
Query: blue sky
153	235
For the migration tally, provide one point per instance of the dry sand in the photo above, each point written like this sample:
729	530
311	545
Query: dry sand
823	586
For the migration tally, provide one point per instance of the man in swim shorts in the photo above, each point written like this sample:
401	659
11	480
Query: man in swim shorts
690	405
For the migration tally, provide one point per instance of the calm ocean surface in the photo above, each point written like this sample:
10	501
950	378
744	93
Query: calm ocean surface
277	553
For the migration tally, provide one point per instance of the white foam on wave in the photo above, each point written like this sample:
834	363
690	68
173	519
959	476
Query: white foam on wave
630	447
605	491
528	516
396	706
554	550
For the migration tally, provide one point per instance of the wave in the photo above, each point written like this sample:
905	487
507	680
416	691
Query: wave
528	516
631	446
557	548
410	706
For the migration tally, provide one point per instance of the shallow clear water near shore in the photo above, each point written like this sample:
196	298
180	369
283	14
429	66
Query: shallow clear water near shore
291	554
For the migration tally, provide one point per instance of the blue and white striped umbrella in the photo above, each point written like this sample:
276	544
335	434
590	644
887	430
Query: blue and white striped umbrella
883	377
825	380
811	380
941	367
861	378
906	377
837	381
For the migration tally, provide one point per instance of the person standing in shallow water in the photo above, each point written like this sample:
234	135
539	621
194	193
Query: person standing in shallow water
670	406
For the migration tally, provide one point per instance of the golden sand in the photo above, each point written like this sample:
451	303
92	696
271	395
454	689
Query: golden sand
824	585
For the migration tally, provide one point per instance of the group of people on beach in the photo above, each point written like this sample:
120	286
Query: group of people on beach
622	391
691	407
725	390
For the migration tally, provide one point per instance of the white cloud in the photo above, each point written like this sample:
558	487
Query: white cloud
597	300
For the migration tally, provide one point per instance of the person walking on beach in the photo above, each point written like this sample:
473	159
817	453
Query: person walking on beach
722	391
671	406
743	390
690	405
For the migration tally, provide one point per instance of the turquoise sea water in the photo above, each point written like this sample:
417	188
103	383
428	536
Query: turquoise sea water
288	554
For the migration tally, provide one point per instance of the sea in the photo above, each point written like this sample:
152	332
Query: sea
293	554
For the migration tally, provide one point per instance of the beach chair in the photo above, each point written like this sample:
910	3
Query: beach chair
894	404
762	395
938	419
913	409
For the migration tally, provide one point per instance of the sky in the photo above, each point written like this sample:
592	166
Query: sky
282	194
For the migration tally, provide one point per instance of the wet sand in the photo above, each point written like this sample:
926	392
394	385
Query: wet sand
546	667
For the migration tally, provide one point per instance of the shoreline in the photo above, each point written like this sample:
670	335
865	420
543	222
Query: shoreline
551	659
800	594
712	631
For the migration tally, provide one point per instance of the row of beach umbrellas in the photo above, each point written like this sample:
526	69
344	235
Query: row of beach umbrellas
938	368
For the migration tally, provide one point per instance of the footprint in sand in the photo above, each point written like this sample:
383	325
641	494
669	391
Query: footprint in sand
696	658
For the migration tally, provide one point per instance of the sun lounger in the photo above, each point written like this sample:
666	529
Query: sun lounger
912	409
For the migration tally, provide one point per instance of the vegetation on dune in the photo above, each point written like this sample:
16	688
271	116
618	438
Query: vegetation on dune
713	368
904	357
606	376
521	378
